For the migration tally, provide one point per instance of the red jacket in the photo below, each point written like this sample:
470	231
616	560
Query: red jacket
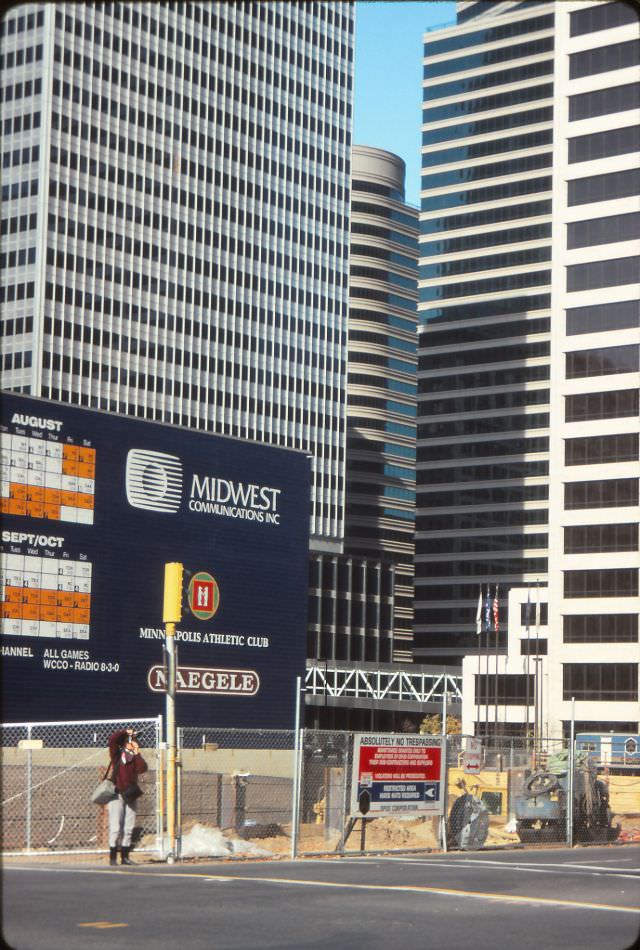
126	766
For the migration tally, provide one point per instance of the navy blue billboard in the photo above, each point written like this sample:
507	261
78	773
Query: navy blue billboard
93	506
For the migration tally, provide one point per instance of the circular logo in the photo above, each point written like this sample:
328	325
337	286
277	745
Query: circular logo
203	595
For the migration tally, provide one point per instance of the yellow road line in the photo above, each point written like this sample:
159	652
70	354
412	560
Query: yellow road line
388	888
102	925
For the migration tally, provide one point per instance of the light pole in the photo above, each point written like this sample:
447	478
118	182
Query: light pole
171	614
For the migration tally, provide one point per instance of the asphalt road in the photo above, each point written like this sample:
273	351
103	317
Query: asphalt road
525	900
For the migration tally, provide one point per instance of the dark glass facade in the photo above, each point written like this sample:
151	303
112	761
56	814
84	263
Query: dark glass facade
483	365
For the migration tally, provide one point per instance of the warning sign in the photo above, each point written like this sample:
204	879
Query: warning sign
396	774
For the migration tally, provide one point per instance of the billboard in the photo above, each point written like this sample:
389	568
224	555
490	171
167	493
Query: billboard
396	774
93	506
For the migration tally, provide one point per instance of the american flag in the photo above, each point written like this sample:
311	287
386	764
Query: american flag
496	611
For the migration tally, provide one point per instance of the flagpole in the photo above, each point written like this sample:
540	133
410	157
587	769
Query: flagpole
495	632
538	684
485	622
528	667
478	679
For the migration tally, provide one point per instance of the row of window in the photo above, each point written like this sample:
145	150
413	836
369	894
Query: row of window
386	277
493	495
384	405
489	285
616	404
11	26
158	318
496	123
16	326
175	291
605	493
480	568
20	189
595	274
466	84
22	291
21	123
16	360
622	184
512	189
587	148
619	227
492	34
493	423
469	173
484	331
474	150
505	354
600	682
383	297
618	315
21	156
474	545
512	375
215	53
369	250
386	319
397	237
21	57
533	232
498	307
498	100
18	258
20	90
472	219
583	539
606	361
383	469
459	474
602	449
587	105
170	386
601	59
600	628
602	16
481	520
502	54
487	402
467	265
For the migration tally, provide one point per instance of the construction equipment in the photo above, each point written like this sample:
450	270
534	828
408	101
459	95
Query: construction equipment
468	824
541	810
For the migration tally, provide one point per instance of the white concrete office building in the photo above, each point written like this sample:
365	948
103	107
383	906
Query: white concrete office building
528	376
175	208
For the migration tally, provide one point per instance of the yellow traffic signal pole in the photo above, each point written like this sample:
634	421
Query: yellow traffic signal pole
172	613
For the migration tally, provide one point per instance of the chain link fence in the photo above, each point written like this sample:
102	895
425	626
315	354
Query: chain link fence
519	793
259	793
49	772
235	792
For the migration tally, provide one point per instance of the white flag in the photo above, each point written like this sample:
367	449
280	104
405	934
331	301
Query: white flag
479	613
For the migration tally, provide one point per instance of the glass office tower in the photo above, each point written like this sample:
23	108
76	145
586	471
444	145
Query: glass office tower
381	387
175	208
528	356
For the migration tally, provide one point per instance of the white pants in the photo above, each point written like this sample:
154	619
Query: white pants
122	818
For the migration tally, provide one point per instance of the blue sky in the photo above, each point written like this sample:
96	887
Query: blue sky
388	77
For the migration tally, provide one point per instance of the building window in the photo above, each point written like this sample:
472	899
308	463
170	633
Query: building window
510	689
622	315
608	493
601	449
586	539
615	404
614	582
595	274
605	361
600	628
600	682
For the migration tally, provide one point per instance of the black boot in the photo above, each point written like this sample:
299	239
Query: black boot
125	859
113	856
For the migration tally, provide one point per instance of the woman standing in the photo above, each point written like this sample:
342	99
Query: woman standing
127	765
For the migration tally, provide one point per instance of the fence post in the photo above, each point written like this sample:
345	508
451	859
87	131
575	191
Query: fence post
297	763
570	776
29	786
445	772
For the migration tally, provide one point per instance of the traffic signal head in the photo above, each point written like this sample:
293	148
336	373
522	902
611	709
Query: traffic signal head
172	608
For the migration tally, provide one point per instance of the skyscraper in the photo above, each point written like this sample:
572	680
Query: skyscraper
528	354
381	390
175	202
